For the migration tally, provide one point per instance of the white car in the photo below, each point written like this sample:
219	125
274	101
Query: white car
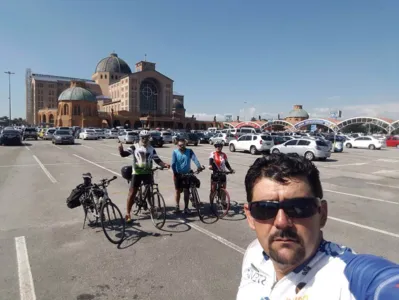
167	136
364	142
253	143
311	149
88	134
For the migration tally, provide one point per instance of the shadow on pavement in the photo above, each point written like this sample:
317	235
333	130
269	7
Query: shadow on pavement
134	234
236	212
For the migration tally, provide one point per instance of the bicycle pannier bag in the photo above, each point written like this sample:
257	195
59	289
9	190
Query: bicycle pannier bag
73	199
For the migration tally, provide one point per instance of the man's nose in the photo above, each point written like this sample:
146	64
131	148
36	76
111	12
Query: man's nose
282	220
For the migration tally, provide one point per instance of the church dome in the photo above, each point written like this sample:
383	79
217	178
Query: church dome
298	112
76	94
113	64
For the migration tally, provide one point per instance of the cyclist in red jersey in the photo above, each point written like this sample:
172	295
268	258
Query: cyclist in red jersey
218	162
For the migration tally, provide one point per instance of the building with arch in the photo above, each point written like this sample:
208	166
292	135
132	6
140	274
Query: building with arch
118	97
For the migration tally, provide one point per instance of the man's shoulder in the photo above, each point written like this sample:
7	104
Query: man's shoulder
254	252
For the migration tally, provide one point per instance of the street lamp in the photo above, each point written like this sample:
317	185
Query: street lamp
9	94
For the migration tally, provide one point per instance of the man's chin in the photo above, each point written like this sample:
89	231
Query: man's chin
287	253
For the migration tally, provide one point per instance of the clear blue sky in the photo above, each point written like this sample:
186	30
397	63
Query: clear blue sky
272	54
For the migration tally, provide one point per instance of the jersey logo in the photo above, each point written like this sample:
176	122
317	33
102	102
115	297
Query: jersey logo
255	276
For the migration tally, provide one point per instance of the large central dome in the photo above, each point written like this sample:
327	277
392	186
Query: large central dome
113	64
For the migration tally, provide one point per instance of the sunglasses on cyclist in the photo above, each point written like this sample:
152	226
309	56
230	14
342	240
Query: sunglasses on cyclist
303	207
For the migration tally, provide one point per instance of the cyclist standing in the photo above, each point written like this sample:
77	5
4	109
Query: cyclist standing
181	164
143	155
218	162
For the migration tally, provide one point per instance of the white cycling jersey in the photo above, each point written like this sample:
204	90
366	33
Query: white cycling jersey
333	273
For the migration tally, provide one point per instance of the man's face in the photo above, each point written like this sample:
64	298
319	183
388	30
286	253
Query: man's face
181	145
144	140
219	148
287	241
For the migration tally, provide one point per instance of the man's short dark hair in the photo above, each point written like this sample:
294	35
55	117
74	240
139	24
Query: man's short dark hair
181	140
281	167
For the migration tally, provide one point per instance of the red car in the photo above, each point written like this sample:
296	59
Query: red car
393	141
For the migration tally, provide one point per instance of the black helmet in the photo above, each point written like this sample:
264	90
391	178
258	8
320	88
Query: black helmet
126	172
219	144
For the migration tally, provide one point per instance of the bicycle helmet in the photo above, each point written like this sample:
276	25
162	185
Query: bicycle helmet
144	133
126	172
218	144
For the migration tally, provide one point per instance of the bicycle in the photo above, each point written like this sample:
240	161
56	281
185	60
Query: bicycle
97	204
220	197
192	181
151	197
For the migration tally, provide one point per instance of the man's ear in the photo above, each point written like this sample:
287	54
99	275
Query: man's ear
323	213
249	217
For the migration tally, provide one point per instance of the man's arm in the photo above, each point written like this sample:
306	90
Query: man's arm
372	278
228	164
124	153
157	160
195	159
174	168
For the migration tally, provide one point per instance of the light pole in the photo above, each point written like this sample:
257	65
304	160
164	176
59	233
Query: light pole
9	94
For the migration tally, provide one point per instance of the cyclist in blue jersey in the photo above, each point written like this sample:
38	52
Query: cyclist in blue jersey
181	164
290	259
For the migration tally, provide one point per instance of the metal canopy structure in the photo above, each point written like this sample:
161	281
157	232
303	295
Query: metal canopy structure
278	123
367	120
322	122
395	125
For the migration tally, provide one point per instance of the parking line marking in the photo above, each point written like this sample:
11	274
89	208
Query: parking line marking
359	196
87	146
218	238
354	164
26	286
97	165
385	171
365	227
390	186
27	148
388	160
107	145
57	147
52	179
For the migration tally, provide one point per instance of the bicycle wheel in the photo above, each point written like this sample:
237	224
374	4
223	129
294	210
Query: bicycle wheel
220	205
196	202
112	222
158	210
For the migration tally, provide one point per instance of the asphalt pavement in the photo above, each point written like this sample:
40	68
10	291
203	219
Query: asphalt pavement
45	253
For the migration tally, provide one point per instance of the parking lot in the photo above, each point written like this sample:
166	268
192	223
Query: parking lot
187	259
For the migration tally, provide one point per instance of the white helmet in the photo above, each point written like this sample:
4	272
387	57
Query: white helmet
144	133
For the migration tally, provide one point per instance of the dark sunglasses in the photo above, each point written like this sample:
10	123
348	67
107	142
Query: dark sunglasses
180	145
300	208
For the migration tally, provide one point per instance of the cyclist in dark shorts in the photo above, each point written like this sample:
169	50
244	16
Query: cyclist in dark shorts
181	164
143	155
218	162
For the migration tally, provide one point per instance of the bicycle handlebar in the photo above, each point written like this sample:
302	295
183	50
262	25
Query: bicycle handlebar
107	181
191	173
223	172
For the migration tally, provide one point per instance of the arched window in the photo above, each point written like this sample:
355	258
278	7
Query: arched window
76	110
66	109
51	119
44	119
148	96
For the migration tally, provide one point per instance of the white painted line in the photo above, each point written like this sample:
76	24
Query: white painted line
115	147
354	164
390	186
365	227
362	197
218	238
97	165
388	160
114	154
26	287
57	147
27	148
52	179
87	147
11	166
385	171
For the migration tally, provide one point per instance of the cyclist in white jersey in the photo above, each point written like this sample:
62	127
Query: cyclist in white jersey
143	155
290	258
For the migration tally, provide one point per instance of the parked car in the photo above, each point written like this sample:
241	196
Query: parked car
29	133
100	133
111	133
10	137
392	141
63	137
225	138
311	149
364	142
128	137
156	139
48	135
88	134
167	136
254	143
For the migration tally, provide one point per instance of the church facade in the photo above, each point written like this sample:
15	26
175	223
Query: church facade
143	98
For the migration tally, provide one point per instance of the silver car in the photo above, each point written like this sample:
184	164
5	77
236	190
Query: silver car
128	137
48	135
111	133
309	148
